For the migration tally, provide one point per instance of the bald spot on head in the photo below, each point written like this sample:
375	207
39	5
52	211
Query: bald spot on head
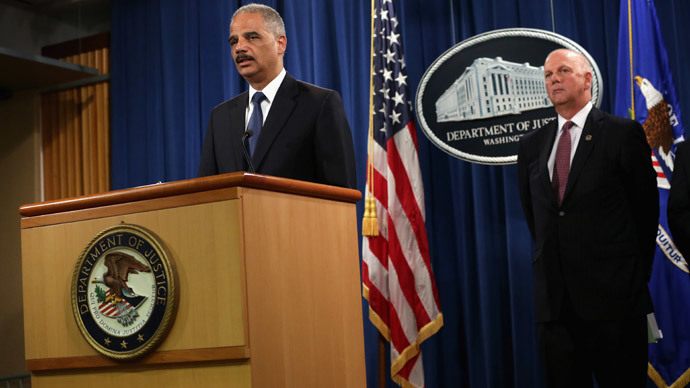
583	65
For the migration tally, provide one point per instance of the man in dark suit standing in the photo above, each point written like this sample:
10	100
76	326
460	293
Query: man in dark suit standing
678	207
588	191
299	131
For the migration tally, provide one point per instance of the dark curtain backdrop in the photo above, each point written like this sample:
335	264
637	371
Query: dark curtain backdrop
171	65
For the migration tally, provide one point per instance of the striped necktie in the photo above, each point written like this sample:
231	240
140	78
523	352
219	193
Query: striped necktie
561	167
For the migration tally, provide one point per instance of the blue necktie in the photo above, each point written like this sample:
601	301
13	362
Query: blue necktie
256	121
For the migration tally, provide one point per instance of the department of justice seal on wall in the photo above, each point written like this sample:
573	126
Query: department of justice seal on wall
478	98
124	292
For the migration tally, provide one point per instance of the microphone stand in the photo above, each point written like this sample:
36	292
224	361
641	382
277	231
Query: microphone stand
247	134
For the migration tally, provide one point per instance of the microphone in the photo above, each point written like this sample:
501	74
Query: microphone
247	134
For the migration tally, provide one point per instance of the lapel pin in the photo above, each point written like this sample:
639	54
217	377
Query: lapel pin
588	137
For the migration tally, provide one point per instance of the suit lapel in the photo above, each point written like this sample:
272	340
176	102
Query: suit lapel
238	112
281	108
544	155
584	148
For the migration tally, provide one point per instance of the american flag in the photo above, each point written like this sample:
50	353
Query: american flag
110	309
396	270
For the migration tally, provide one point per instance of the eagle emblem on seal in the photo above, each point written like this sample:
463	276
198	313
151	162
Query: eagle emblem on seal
120	301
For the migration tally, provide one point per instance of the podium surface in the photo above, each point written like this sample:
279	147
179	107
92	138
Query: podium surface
268	277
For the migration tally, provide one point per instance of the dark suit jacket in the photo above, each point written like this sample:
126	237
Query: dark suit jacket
597	247
678	208
305	136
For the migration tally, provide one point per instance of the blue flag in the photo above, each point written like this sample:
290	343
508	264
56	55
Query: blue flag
645	92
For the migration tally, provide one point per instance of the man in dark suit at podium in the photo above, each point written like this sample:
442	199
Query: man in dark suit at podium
295	130
589	195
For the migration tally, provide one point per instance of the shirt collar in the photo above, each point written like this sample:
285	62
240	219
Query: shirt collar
580	117
271	89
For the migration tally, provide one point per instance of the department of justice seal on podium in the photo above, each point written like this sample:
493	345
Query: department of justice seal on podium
124	292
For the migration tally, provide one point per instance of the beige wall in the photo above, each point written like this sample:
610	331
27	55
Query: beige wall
20	184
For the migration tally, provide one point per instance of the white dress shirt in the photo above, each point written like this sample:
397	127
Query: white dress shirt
270	92
575	133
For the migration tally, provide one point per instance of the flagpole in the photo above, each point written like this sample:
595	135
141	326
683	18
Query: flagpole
370	225
632	76
382	361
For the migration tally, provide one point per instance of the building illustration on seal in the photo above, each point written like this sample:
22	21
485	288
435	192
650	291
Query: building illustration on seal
493	87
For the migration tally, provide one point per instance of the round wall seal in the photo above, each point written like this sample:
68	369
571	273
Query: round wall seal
478	98
124	292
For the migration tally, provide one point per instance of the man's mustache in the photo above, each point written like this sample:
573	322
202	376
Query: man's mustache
241	57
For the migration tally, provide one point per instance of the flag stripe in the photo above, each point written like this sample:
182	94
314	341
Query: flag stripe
377	260
405	251
405	281
415	225
381	195
408	262
409	163
403	331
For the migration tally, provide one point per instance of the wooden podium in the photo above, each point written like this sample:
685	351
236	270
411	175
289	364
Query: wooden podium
268	275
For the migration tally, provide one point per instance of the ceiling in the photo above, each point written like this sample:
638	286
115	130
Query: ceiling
28	71
70	11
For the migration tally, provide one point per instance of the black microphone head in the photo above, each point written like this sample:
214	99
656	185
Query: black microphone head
247	134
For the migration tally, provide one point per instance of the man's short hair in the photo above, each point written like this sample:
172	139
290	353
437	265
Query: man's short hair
274	23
